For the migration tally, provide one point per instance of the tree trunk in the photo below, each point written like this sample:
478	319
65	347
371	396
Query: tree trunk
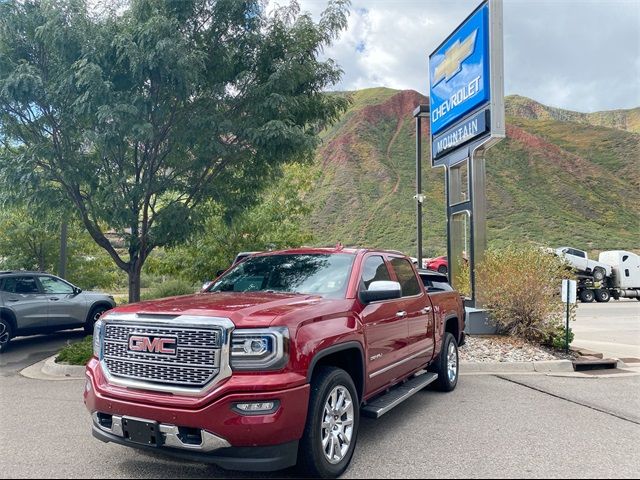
134	284
62	270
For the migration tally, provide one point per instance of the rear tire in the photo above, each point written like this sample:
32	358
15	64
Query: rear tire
602	295
6	333
96	313
447	365
327	432
587	295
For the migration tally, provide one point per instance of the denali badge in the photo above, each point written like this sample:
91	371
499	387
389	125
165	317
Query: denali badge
162	345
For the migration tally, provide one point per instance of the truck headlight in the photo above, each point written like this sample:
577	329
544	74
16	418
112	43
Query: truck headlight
260	348
98	334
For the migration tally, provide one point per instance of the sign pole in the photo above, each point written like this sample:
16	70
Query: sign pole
568	294
566	331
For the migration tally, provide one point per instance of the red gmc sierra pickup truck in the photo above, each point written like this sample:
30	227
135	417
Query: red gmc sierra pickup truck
273	365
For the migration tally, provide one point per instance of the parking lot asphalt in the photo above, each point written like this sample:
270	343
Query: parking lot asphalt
25	351
491	426
516	426
612	328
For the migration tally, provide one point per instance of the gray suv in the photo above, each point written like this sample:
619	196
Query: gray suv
35	302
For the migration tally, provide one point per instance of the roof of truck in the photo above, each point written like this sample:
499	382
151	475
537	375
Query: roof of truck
329	250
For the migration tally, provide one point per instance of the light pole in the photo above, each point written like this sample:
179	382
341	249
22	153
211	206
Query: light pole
419	113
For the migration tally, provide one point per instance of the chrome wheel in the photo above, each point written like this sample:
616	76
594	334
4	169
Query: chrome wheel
5	334
97	315
337	424
452	362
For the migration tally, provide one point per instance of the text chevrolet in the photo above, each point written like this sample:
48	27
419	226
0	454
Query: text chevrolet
275	363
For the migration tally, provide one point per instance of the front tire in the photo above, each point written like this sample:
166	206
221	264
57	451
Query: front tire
331	430
442	269
94	316
447	366
6	333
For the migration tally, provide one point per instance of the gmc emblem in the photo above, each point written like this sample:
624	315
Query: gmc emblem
161	345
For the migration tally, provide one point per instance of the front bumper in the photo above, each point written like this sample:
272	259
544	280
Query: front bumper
260	459
224	436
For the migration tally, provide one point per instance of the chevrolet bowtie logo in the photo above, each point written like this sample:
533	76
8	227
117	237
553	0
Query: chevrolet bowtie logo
453	58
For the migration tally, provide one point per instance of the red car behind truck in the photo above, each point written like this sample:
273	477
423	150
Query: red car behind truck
275	363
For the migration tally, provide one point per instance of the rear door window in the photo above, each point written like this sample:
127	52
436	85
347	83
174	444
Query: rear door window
22	285
406	277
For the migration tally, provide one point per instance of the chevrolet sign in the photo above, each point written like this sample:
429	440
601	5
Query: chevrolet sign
459	72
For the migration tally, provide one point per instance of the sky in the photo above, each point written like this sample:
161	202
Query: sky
581	55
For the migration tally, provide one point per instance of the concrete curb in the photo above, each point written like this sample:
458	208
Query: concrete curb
48	369
517	367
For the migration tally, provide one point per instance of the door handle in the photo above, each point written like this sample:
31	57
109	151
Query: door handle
54	299
401	314
425	310
13	299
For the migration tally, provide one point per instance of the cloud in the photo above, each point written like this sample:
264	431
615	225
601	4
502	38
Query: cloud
581	55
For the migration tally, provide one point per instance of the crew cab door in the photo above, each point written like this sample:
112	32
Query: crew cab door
385	328
419	314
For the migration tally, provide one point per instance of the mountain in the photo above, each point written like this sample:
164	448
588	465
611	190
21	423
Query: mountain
559	177
517	106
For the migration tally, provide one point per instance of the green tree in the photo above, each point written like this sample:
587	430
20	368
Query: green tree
275	222
143	112
27	241
30	240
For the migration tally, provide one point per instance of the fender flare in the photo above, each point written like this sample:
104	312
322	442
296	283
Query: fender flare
451	316
336	349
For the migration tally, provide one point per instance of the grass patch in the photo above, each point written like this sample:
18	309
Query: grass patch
77	353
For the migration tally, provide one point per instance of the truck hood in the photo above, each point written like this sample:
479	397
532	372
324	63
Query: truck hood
245	310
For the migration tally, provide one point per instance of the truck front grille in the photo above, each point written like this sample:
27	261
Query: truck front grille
195	363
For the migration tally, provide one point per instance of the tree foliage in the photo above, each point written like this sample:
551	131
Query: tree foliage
30	240
275	222
143	113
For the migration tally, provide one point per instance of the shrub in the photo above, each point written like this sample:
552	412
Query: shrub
520	286
170	288
556	337
77	353
462	282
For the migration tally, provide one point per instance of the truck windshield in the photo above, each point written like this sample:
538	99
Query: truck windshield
317	274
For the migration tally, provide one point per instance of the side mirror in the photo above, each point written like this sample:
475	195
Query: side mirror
77	291
381	290
220	272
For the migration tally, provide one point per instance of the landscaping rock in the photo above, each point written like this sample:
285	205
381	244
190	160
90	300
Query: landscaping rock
495	348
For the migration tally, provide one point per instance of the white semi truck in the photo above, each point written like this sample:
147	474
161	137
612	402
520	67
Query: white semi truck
621	278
